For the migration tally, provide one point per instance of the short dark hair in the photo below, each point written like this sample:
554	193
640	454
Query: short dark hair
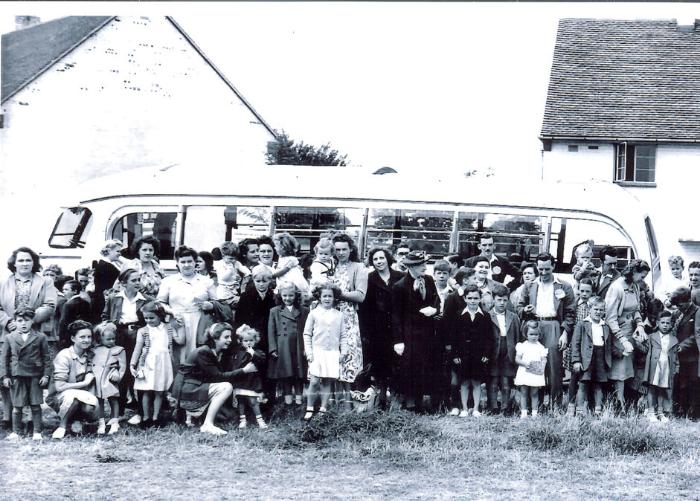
25	312
527	264
454	259
479	259
84	272
78	325
150	239
441	265
243	247
208	260
345	238
472	288
635	266
665	314
607	251
214	332
374	250
463	273
680	295
74	284
694	264
545	256
585	281
500	290
36	265
184	251
485	236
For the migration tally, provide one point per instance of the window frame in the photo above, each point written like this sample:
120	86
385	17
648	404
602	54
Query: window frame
81	229
625	168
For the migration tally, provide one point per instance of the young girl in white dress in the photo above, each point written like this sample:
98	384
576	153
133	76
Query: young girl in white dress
151	364
325	345
531	357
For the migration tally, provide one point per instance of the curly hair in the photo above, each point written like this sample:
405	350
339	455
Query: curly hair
286	243
374	250
245	331
184	251
151	240
36	264
635	266
345	238
316	292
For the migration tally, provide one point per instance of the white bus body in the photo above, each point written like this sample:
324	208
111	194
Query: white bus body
202	208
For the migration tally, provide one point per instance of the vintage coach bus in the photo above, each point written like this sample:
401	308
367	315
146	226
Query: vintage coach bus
184	205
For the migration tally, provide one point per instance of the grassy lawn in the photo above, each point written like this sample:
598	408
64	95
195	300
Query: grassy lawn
372	455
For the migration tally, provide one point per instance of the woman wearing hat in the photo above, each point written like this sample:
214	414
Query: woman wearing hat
415	302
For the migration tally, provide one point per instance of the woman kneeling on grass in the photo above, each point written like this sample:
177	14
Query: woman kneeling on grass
201	386
71	392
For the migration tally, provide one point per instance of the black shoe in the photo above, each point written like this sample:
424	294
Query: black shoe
29	428
7	425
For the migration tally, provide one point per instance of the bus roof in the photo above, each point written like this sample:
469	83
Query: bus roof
356	183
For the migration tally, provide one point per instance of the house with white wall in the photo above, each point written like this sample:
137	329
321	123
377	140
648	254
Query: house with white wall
623	106
85	96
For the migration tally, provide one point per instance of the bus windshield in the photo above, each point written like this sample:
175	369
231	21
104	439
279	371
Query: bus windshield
71	228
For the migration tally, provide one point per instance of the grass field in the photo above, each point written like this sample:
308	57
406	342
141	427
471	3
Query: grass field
372	455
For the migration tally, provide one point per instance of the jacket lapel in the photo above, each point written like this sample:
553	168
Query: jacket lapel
292	315
534	288
30	339
37	285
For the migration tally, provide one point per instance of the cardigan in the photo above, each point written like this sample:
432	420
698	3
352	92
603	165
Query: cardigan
42	298
615	304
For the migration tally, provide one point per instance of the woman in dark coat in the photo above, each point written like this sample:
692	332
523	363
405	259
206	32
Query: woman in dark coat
107	271
201	385
415	302
375	319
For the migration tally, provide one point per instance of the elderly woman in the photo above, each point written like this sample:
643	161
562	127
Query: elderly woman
71	391
201	385
121	308
351	278
191	298
623	316
107	271
25	288
145	251
375	318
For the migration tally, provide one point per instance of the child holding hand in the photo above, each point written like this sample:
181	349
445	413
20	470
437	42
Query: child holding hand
661	367
591	355
286	343
109	367
531	358
325	344
151	363
248	389
25	370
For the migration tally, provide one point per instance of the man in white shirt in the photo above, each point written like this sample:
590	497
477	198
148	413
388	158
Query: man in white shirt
552	303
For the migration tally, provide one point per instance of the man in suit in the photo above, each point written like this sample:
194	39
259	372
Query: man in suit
415	302
552	303
686	391
608	271
694	279
500	267
402	250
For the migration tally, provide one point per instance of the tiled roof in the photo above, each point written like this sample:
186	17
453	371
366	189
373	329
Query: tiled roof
629	80
27	53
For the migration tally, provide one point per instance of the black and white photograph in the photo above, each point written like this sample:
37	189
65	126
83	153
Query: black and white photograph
349	250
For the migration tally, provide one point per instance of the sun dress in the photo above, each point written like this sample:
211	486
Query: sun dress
531	352
352	365
157	366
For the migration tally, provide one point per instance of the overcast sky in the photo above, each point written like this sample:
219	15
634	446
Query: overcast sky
416	86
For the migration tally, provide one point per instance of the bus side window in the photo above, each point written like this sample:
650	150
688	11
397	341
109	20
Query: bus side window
513	234
71	229
568	234
426	230
161	225
306	224
208	226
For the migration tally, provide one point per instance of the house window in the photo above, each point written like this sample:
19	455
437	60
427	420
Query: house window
573	148
635	163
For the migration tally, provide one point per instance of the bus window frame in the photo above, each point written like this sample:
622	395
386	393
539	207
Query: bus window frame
83	225
125	210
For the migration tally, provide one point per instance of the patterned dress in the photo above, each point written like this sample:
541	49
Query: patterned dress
352	365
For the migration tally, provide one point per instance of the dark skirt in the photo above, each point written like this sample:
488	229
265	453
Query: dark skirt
596	372
190	390
25	390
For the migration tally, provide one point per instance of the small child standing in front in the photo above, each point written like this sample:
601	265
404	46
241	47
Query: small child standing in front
531	358
323	266
661	366
325	344
109	367
591	356
248	388
285	334
230	273
25	370
151	363
585	292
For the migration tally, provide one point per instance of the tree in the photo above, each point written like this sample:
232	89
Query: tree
288	152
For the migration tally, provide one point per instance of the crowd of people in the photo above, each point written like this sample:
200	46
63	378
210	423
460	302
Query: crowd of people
250	325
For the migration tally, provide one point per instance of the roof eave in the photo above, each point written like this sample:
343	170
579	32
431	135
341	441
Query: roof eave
56	59
612	139
222	76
